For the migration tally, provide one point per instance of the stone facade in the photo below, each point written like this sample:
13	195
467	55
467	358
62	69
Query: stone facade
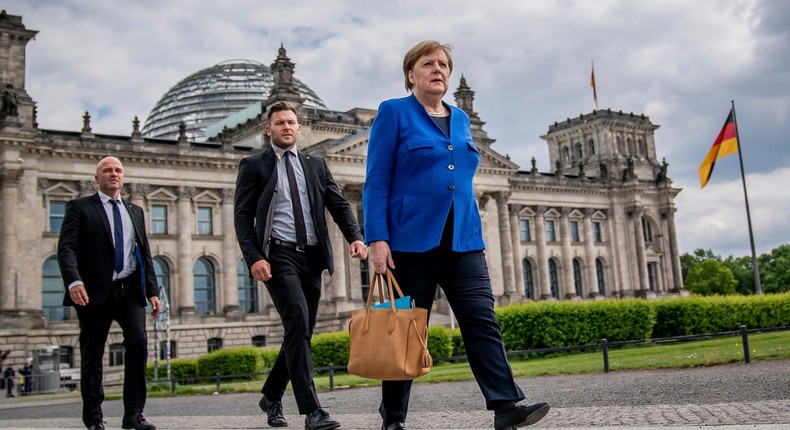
601	225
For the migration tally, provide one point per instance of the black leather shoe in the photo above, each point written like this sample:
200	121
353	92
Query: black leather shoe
522	416
393	426
274	412
136	422
319	420
97	426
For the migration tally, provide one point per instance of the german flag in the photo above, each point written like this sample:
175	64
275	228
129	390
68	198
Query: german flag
592	84
725	144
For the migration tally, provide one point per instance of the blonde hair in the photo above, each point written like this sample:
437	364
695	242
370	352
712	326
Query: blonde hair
424	48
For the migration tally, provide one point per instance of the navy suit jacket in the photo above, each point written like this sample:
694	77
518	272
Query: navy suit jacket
86	251
256	185
415	174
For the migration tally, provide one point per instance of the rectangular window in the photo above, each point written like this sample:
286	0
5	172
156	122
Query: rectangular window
66	357
56	211
116	354
550	236
158	219
214	344
575	231
525	236
163	349
597	232
204	221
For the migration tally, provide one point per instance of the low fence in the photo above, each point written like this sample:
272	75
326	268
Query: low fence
604	346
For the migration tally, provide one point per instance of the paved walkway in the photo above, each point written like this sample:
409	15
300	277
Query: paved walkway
739	396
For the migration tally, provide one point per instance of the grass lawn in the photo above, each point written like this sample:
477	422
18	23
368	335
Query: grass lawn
709	352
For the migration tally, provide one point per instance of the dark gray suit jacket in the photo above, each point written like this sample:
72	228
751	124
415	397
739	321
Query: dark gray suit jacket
255	191
86	251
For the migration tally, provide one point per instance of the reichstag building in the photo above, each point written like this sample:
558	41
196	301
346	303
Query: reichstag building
600	225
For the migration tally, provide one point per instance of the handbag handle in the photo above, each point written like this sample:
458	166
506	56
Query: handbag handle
378	280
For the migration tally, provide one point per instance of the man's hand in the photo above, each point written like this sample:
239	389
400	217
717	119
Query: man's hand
78	295
156	306
261	270
380	256
358	250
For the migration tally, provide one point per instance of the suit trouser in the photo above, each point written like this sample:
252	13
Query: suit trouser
295	289
463	276
95	324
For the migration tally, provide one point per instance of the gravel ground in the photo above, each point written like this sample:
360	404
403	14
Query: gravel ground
730	395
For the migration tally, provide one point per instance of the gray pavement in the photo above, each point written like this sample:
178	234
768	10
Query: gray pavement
737	396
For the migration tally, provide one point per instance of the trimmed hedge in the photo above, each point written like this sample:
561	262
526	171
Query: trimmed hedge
698	315
231	361
180	368
330	348
556	324
533	326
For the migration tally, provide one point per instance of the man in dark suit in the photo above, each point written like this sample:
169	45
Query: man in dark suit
106	265
282	231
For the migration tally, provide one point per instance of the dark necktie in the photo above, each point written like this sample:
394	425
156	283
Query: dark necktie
301	230
116	219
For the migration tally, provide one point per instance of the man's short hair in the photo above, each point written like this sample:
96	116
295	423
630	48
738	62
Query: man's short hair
277	108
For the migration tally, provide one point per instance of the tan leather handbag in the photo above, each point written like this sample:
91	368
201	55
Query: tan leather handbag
388	344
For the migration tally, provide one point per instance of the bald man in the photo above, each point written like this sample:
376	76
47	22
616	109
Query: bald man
106	265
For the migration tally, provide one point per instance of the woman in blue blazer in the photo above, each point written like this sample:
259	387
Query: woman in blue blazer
422	222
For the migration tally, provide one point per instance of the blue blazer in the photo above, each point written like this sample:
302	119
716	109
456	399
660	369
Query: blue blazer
415	174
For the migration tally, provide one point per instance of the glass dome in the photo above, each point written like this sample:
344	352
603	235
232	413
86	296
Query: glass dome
212	94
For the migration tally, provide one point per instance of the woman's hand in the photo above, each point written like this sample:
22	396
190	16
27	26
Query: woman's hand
380	256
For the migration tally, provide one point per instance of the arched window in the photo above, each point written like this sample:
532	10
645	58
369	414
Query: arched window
579	152
163	277
643	148
620	146
248	289
52	292
529	285
259	341
553	281
630	144
205	294
647	230
577	278
566	154
214	344
601	280
591	147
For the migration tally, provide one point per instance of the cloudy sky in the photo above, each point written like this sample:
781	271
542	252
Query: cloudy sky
678	62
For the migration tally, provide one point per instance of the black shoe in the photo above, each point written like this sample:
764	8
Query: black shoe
136	422
393	426
319	420
97	426
522	416
274	412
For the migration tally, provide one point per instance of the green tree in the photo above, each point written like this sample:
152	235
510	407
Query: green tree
710	277
741	268
775	270
687	261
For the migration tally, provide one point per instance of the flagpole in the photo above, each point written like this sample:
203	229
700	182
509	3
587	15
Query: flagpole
757	286
592	80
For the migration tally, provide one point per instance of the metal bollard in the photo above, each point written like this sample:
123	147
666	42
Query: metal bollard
216	376
746	354
605	348
172	385
331	377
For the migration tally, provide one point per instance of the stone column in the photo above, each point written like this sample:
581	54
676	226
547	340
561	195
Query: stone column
506	245
674	257
591	280
137	196
229	246
543	263
515	237
567	256
186	291
8	239
639	242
